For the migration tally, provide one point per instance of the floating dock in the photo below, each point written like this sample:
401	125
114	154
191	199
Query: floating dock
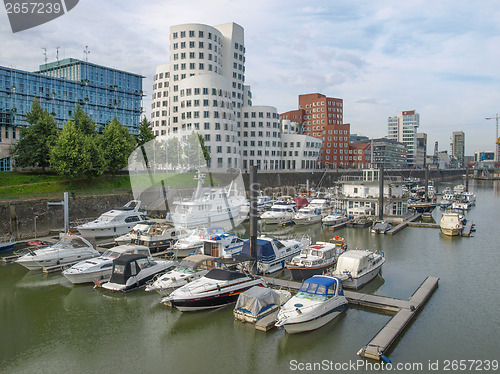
405	311
403	224
468	229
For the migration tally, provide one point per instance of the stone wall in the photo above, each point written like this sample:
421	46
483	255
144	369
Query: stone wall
18	216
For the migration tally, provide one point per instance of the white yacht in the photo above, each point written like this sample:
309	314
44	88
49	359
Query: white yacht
69	248
322	204
334	218
100	268
381	226
209	206
451	224
307	215
319	300
282	211
191	243
115	222
219	287
358	267
273	254
134	271
190	268
263	202
224	245
316	259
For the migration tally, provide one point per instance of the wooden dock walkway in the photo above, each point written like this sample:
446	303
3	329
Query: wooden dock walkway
405	311
403	224
468	229
424	224
338	226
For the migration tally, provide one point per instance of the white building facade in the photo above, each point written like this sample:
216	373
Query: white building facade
300	152
202	89
403	128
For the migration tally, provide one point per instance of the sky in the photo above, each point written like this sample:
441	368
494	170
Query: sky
441	58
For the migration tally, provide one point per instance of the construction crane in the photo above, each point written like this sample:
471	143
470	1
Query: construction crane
496	138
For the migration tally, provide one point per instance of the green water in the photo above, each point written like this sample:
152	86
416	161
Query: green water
48	325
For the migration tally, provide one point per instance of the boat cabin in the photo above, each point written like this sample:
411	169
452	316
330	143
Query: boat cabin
320	287
127	266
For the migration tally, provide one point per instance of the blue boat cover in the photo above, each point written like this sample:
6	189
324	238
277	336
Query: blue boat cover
265	251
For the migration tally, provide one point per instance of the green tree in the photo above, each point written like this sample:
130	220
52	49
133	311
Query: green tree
117	145
145	132
35	141
76	154
83	121
174	152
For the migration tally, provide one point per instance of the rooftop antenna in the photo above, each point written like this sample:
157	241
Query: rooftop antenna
86	52
45	54
57	54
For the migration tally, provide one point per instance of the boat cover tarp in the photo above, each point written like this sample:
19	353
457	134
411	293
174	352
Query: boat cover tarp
264	250
257	299
221	274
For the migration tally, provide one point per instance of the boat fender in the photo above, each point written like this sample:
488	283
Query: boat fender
382	253
385	358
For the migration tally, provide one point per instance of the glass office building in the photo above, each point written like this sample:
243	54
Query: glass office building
60	86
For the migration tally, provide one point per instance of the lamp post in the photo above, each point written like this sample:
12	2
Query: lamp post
35	225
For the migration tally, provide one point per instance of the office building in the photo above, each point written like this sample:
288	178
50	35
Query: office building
457	145
403	128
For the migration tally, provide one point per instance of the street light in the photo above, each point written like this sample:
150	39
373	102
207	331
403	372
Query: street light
35	225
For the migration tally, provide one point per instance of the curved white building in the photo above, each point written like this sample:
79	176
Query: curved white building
203	90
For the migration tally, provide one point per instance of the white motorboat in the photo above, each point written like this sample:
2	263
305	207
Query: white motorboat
280	212
69	249
160	236
316	259
322	204
334	218
258	302
272	254
115	222
100	268
132	234
380	227
319	300
358	267
134	271
190	268
209	206
307	215
218	288
191	243
263	202
224	245
451	224
447	199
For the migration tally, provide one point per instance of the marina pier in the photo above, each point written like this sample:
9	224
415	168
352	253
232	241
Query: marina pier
405	311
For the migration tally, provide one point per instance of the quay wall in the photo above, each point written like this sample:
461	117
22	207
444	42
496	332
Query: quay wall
17	217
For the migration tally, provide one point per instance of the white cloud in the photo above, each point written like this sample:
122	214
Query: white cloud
439	58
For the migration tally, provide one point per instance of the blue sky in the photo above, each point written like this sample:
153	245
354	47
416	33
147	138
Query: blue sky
440	58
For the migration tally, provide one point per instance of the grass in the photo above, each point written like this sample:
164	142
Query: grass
21	185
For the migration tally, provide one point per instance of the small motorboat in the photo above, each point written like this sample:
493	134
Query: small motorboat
319	300
132	234
115	222
334	218
381	227
272	254
190	268
358	267
160	236
314	260
307	215
282	211
258	302
69	249
451	224
7	243
218	288
133	271
188	245
100	268
224	245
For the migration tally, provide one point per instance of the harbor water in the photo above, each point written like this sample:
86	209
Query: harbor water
47	325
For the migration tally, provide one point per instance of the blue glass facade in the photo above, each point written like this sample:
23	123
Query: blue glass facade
59	86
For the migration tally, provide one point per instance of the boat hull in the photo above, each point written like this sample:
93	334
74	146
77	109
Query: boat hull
80	278
314	323
307	220
359	282
451	231
302	272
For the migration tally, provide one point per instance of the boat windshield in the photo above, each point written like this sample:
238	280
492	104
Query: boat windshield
105	218
70	243
316	291
110	254
185	269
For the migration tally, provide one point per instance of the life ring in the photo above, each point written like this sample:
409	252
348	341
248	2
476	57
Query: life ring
337	237
202	236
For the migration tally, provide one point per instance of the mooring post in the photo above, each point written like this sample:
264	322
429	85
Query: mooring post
381	193
253	211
